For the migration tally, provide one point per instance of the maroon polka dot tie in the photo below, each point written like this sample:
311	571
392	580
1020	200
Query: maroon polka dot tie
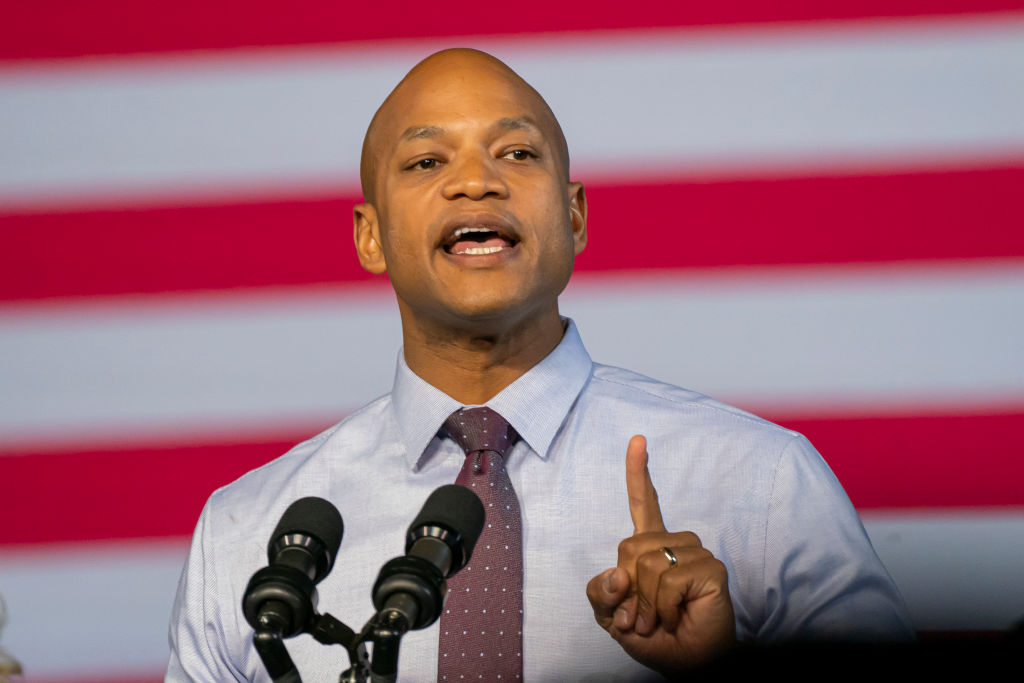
482	623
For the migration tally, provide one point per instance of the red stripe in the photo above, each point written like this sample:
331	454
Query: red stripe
156	677
156	491
106	677
71	28
866	219
965	214
298	242
923	462
149	491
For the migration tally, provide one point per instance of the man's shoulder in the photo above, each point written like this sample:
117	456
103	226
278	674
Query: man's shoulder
642	393
310	458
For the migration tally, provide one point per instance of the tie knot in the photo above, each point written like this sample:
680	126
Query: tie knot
480	429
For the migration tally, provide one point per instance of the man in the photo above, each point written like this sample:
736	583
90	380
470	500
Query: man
470	212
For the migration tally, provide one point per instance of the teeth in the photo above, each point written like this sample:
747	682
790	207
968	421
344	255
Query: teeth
478	251
462	231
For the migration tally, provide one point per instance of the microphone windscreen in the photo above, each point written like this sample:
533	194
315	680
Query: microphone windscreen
315	517
456	509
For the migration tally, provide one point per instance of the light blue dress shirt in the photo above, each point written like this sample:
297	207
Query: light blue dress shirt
758	496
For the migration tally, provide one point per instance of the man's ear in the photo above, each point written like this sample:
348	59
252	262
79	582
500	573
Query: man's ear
578	215
367	237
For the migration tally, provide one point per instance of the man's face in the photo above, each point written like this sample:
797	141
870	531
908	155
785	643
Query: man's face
472	217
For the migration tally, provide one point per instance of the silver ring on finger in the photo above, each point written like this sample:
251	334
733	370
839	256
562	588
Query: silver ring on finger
672	560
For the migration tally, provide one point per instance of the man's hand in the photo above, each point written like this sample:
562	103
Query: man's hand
667	616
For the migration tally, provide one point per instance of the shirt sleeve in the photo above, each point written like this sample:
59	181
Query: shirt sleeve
822	578
199	649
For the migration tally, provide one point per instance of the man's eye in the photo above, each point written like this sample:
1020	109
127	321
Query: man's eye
425	164
520	154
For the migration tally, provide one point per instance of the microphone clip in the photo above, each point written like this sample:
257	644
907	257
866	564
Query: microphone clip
409	593
280	598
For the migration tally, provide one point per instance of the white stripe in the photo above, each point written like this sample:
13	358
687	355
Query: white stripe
831	338
630	103
955	571
193	366
91	608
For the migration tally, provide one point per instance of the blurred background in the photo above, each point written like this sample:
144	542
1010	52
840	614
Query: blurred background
814	211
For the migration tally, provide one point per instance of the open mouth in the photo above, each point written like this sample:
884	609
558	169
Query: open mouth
478	241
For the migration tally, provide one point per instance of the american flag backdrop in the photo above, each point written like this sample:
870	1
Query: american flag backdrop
814	211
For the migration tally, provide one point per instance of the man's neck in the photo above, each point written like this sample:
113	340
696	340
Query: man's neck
473	364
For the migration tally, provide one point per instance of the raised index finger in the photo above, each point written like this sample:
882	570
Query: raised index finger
643	499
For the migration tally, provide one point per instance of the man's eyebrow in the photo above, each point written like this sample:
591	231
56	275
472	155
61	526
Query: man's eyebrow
518	123
421	132
507	123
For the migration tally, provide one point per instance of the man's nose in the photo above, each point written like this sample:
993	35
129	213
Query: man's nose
475	176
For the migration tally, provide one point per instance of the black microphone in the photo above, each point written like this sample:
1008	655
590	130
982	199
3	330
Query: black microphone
410	590
282	596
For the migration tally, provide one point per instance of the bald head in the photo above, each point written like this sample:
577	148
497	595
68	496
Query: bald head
453	74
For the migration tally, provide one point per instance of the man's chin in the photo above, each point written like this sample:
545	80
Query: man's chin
479	306
489	316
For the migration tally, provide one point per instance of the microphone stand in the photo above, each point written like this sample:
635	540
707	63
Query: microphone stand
384	631
388	628
270	646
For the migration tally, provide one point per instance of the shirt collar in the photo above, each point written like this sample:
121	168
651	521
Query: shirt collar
536	404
